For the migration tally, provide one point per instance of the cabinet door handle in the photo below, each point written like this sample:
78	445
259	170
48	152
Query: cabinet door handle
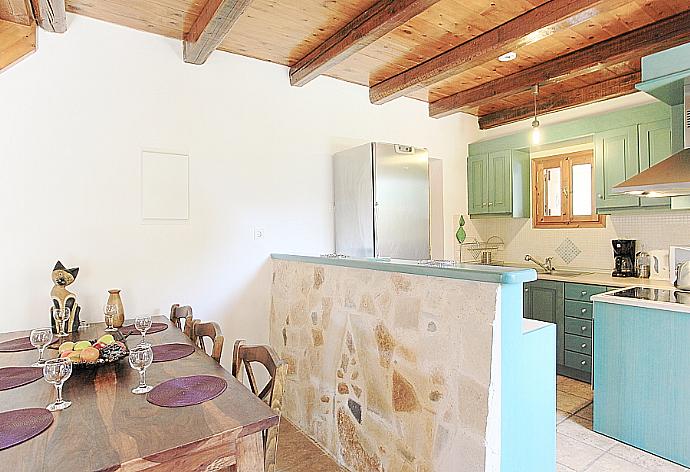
584	346
526	290
491	203
584	310
583	362
584	292
584	328
600	196
484	204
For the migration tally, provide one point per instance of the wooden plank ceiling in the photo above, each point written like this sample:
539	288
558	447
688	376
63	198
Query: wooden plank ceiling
440	51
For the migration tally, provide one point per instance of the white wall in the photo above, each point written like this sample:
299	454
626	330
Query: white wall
74	119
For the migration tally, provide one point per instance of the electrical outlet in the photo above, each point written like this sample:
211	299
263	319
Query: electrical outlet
258	233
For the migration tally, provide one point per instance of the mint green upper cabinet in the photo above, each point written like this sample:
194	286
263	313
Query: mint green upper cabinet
500	184
617	159
655	146
477	184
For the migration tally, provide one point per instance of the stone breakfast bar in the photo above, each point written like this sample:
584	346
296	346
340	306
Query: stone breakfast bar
397	366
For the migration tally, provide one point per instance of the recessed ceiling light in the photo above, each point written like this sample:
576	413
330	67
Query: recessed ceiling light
509	56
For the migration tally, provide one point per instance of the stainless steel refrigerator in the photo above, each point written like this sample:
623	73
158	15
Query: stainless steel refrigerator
382	201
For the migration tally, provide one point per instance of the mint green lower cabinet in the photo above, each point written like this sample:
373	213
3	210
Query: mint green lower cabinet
578	361
579	344
616	159
655	146
642	378
577	309
567	305
544	301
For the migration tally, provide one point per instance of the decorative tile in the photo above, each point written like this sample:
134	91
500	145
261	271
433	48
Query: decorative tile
568	251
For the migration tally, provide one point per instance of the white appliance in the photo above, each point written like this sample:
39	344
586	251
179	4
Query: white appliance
659	264
677	255
382	201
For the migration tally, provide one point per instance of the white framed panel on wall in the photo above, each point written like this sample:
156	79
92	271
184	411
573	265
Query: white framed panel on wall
164	186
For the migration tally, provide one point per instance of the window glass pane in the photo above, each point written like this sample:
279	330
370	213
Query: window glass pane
582	189
552	192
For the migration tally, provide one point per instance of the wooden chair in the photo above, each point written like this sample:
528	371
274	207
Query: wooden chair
179	313
271	393
202	330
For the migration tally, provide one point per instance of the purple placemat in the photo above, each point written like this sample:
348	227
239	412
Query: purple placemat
17	426
185	391
16	345
155	328
11	377
171	352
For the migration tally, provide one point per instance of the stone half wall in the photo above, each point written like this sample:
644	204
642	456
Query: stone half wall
387	371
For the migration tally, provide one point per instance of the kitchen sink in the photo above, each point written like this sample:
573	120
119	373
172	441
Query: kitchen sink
565	273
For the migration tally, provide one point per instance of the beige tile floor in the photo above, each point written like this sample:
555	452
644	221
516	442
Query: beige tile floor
579	449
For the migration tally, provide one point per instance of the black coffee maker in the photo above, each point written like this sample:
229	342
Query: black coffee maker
624	257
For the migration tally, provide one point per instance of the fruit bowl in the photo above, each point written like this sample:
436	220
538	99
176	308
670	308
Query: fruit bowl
91	354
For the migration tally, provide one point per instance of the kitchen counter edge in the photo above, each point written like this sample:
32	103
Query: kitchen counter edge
463	271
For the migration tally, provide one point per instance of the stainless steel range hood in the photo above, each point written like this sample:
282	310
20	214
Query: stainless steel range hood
670	177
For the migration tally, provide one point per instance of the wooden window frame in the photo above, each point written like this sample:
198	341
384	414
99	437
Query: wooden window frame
566	219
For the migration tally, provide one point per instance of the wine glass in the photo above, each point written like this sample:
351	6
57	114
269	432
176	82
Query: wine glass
110	311
142	324
140	357
56	372
61	315
40	338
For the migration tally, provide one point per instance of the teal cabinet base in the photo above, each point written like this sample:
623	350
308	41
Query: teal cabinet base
641	367
572	373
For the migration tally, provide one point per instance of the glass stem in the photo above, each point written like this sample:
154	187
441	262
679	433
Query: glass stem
58	387
40	354
142	378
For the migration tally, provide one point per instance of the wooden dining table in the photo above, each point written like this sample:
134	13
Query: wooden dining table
108	428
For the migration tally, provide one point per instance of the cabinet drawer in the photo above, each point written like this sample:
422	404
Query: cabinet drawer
578	326
582	292
579	344
578	309
578	361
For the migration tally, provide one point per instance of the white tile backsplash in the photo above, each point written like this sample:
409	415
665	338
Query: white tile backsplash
652	231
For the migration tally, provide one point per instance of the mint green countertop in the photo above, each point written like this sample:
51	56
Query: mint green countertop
480	273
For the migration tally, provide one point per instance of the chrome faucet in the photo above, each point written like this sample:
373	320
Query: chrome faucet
547	266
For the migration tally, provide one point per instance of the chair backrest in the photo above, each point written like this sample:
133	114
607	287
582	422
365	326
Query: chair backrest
272	393
179	313
210	329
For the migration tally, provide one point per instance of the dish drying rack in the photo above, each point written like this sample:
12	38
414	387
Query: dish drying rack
482	252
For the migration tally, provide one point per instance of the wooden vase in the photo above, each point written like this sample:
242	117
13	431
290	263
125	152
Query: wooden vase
115	299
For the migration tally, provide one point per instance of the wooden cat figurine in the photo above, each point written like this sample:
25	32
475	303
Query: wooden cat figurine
63	298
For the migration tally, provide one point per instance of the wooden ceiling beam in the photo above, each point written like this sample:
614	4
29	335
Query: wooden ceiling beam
528	28
50	15
611	88
210	28
16	42
655	37
375	22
